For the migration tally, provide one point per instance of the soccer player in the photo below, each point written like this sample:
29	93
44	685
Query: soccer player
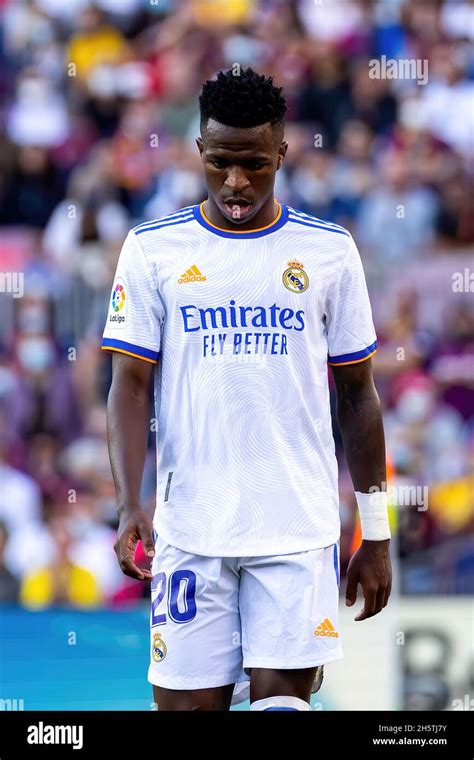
237	305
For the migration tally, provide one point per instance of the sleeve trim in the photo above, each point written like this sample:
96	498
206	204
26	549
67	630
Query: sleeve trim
111	344
356	356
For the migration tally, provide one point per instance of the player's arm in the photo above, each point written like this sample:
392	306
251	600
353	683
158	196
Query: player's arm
128	409
360	421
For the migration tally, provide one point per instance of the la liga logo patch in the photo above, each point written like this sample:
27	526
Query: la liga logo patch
118	304
118	297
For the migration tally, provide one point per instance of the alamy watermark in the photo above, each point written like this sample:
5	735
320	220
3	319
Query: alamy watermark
463	704
12	705
463	282
42	733
399	68
401	495
12	282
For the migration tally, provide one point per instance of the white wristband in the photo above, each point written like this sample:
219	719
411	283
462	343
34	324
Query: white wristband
373	515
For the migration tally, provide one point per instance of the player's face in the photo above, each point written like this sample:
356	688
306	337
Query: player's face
239	168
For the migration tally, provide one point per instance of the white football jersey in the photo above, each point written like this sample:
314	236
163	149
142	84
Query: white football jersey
242	326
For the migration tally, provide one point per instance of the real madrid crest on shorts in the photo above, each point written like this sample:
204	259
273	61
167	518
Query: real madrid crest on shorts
295	278
158	648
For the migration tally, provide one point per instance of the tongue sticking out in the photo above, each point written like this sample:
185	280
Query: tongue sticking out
238	211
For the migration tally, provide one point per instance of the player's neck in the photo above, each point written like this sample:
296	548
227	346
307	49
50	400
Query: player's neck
266	215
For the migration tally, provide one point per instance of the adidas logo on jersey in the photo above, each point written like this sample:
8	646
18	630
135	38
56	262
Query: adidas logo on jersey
326	628
191	275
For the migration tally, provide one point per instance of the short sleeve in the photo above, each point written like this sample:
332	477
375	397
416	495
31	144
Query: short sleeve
350	329
135	314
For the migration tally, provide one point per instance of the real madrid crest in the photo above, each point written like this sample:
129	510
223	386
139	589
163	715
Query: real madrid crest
158	648
295	278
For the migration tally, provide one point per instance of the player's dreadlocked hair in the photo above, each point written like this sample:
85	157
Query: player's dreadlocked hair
244	100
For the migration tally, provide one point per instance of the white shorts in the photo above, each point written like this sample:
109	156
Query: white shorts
213	618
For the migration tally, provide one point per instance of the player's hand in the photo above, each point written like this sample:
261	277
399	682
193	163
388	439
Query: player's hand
371	567
134	526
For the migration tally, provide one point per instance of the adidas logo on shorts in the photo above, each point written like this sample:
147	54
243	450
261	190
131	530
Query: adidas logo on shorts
326	628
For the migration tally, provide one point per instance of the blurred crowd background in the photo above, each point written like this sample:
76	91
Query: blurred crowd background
98	121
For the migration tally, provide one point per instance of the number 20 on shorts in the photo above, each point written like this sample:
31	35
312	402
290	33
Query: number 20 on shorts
180	591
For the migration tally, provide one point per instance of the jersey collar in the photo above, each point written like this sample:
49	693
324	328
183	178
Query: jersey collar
280	219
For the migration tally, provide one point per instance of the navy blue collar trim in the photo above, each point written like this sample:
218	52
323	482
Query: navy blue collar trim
281	219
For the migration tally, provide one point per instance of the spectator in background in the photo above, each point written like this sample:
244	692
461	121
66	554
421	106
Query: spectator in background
95	43
21	512
44	467
452	361
371	100
324	103
45	400
449	92
351	177
9	586
61	582
215	14
335	24
90	221
455	217
20	504
32	190
135	153
397	217
179	183
310	183
38	116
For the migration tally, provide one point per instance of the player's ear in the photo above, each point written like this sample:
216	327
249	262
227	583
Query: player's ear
281	153
200	145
